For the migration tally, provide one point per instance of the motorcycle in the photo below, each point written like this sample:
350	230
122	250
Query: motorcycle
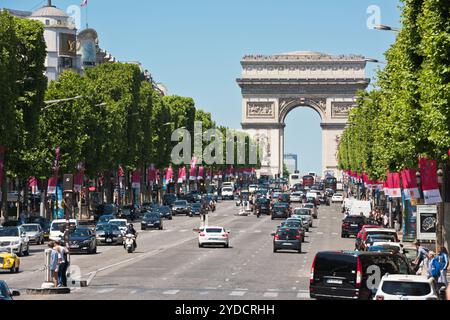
130	243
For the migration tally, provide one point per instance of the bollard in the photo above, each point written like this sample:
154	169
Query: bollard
48	276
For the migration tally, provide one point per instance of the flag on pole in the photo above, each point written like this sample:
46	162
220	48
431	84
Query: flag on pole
84	3
410	187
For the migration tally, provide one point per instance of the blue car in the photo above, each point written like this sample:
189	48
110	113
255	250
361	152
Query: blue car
6	293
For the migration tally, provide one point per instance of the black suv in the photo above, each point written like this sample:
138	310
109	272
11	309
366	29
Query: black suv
287	239
280	210
152	220
169	199
105	209
347	274
352	225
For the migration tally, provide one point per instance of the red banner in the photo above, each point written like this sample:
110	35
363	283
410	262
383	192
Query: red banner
78	182
410	187
136	179
52	182
393	184
430	185
193	173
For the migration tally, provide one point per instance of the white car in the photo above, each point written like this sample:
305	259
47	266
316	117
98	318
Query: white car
407	287
337	197
304	212
15	239
214	235
252	188
121	223
296	197
227	193
58	227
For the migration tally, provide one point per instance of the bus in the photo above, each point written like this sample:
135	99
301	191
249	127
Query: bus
294	179
308	181
331	183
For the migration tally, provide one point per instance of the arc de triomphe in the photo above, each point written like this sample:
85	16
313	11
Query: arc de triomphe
272	86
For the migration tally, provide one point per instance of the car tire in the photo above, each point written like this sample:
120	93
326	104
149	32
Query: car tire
299	250
170	218
27	252
160	228
20	252
200	245
275	250
143	228
226	246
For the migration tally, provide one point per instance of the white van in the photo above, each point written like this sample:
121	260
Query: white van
359	206
58	226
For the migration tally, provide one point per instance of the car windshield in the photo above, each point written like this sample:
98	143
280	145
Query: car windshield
81	233
107	227
337	195
383	249
214	230
119	223
293	224
196	206
403	288
105	218
152	215
381	238
30	228
302	212
291	233
227	189
9	232
59	225
164	209
180	203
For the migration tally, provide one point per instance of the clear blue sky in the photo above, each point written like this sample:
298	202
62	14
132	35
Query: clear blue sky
194	47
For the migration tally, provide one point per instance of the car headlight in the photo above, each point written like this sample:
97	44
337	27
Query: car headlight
15	243
87	242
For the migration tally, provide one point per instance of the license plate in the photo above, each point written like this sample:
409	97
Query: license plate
150	224
287	244
108	240
333	281
353	225
214	239
74	247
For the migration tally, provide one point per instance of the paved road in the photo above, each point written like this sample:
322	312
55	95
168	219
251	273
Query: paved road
169	264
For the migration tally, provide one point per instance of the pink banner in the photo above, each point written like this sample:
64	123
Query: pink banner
201	173
193	173
430	185
52	182
410	187
169	174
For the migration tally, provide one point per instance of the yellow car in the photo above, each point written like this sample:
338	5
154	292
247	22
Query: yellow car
9	261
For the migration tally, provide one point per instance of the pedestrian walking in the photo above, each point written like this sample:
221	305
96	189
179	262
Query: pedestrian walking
63	264
422	254
386	221
54	263
434	268
443	261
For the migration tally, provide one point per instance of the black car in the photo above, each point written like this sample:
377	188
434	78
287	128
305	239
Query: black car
165	212
11	223
280	210
284	197
108	234
347	274
105	209
129	212
352	225
181	207
7	294
152	220
287	239
262	206
196	209
169	199
82	240
324	200
294	224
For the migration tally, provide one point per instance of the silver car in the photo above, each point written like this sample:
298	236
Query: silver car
34	232
304	213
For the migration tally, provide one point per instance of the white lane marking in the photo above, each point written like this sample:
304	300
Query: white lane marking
171	292
257	231
238	293
303	295
245	264
334	233
226	280
319	233
270	294
105	290
133	291
184	230
272	290
242	231
204	293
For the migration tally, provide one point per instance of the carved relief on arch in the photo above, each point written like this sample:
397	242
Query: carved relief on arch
287	104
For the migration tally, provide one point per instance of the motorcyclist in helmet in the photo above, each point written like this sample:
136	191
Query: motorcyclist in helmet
131	230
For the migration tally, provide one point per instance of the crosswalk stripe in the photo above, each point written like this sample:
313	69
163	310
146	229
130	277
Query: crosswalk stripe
238	293
303	295
105	290
171	292
270	294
